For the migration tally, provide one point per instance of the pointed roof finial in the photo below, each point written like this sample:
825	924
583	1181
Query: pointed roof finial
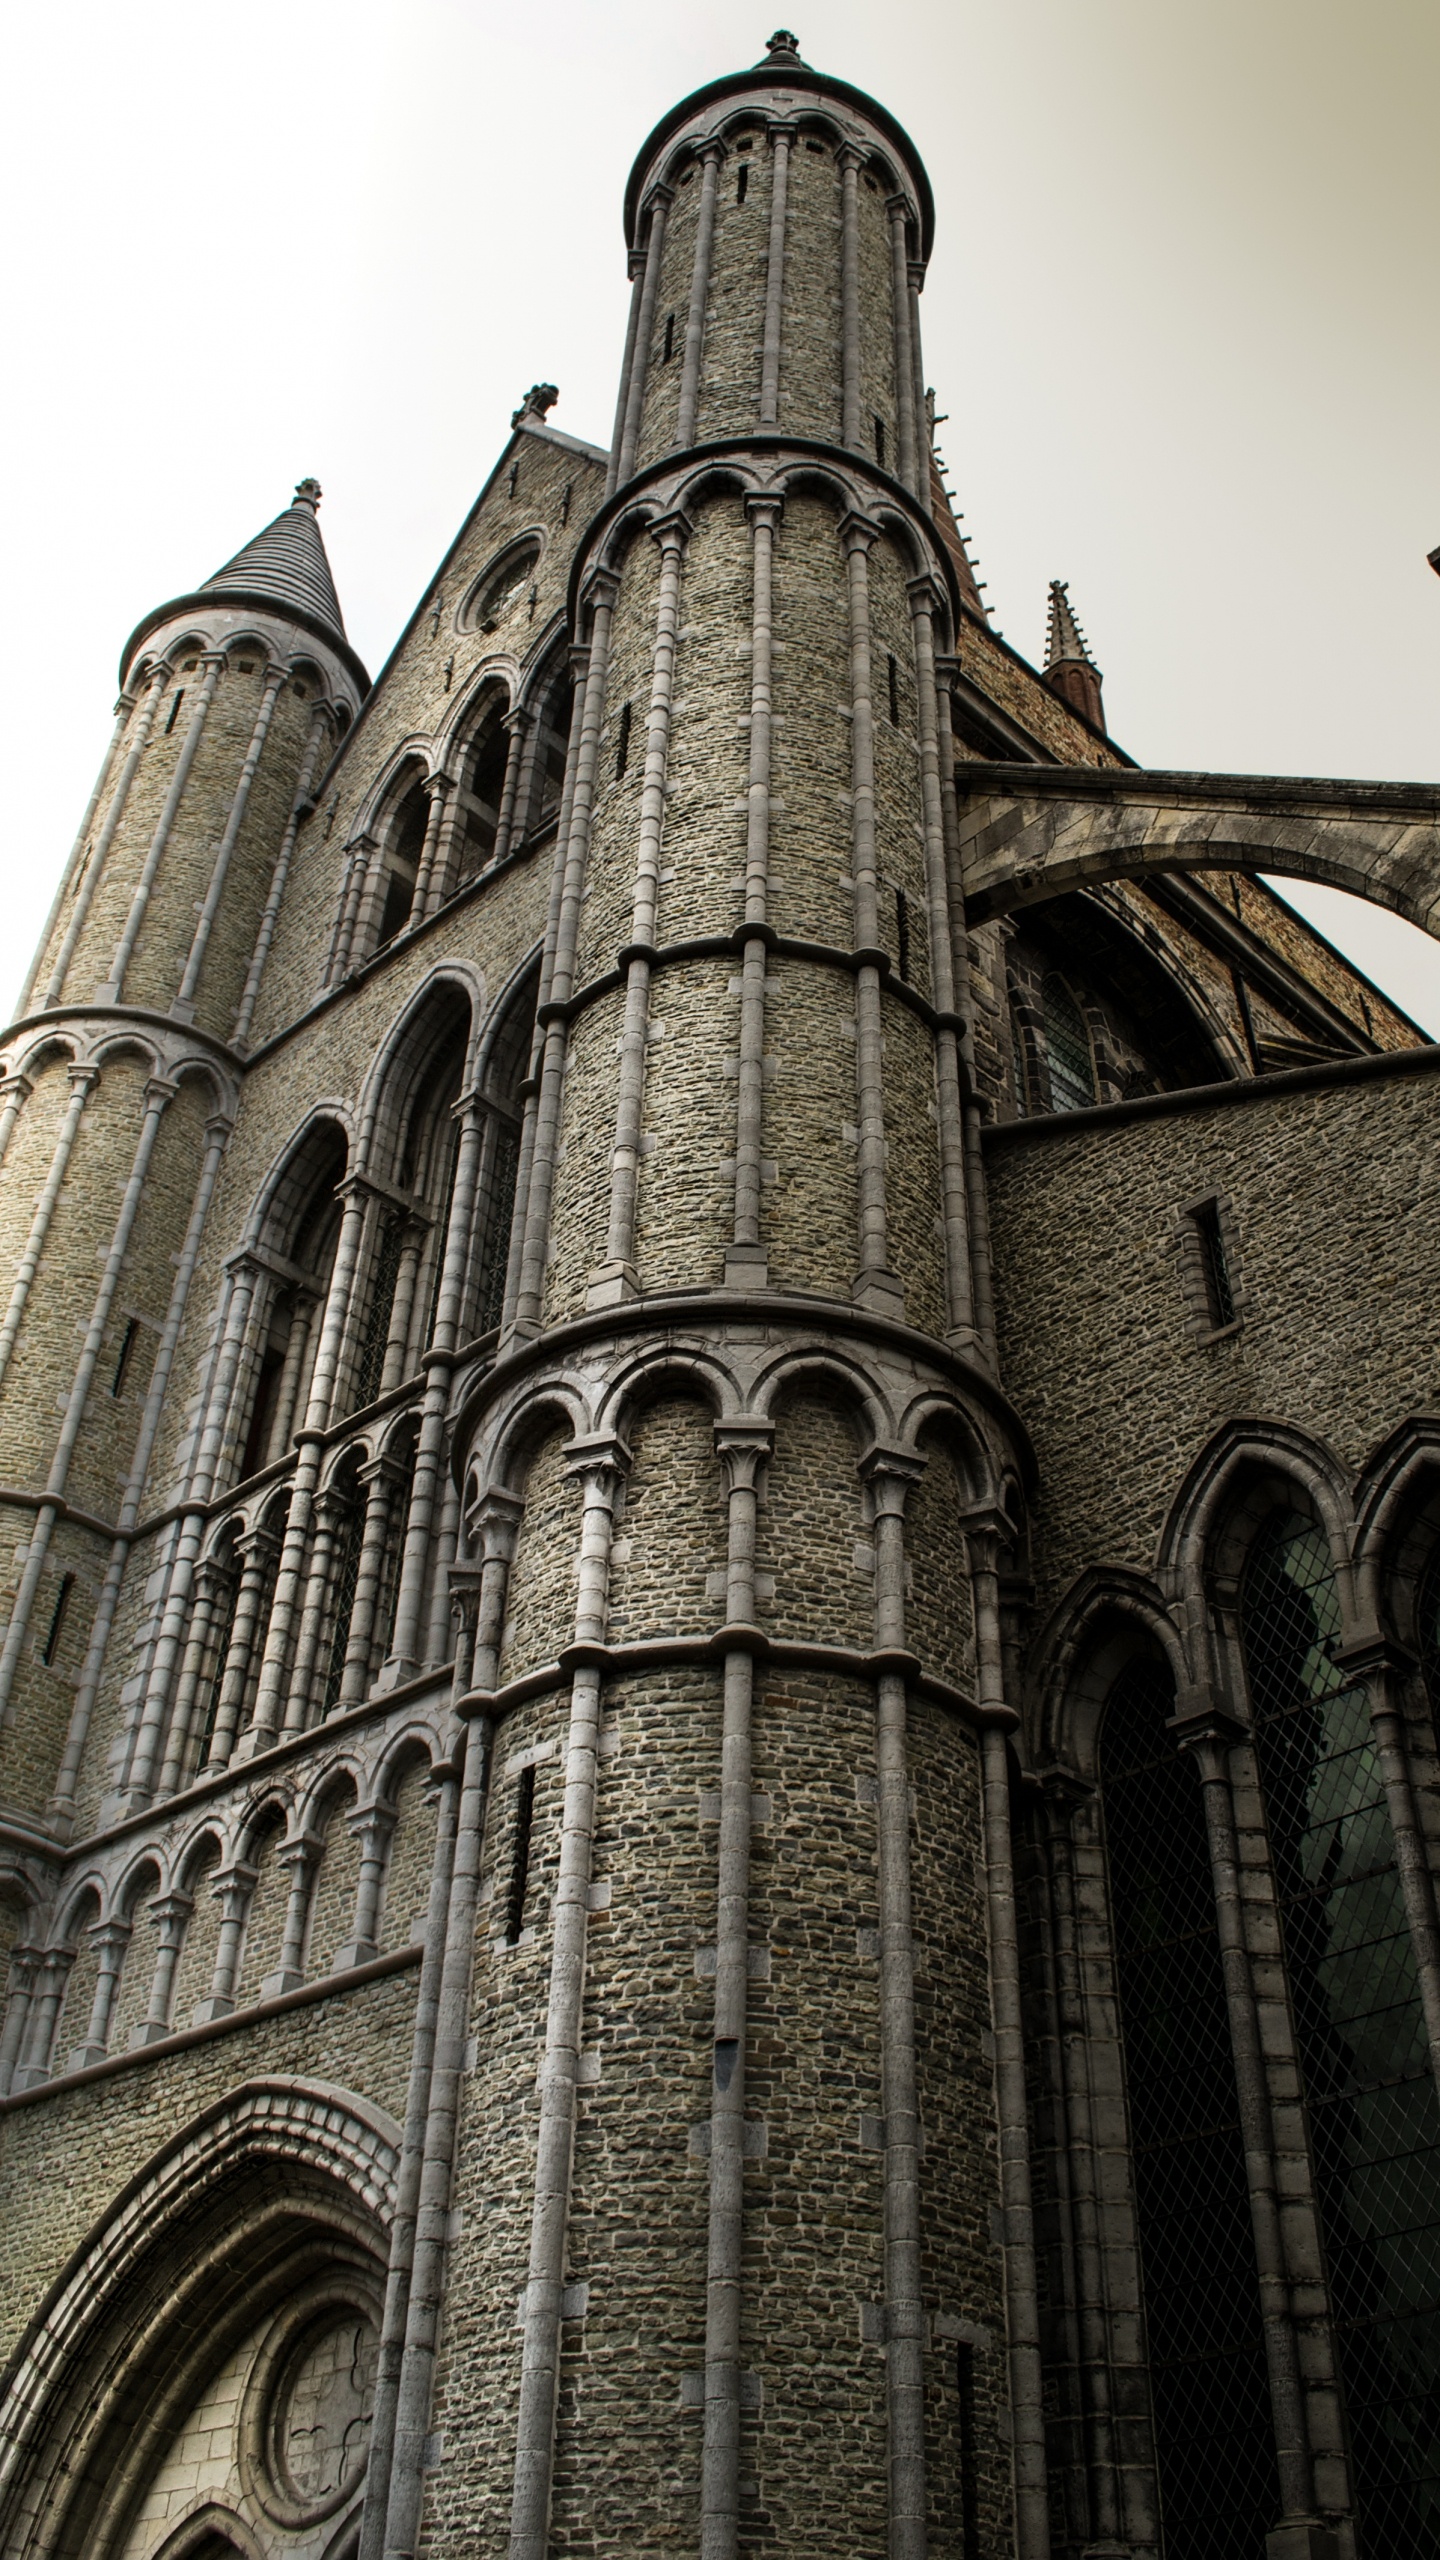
308	493
782	51
1070	670
540	397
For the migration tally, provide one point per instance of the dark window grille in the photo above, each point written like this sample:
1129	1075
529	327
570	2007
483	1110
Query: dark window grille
1020	1064
370	1367
176	700
394	1559
1369	2092
1067	1045
1214	2444
902	933
342	1603
208	1699
58	1616
122	1362
622	743
893	672
265	1601
1219	1295
438	1235
520	1853
495	1244
880	441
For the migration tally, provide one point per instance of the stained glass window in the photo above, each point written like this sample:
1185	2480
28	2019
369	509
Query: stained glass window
1214	2443
1369	2092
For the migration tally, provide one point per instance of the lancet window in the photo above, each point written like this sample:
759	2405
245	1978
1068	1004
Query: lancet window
1369	2089
1349	2094
1208	2383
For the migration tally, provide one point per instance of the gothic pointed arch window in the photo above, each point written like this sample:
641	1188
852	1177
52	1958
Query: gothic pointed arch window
551	748
1069	1055
1369	2089
1199	2285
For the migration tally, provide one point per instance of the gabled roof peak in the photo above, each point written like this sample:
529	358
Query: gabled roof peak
286	564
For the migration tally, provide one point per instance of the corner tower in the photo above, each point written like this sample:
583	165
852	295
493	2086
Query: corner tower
746	1379
127	1058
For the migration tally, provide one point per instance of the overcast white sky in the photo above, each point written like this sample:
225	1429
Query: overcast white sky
1181	314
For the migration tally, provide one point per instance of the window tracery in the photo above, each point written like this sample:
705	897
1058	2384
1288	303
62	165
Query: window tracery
1369	2090
1206	2355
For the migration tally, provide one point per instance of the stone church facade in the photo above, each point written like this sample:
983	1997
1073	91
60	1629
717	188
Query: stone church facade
720	1517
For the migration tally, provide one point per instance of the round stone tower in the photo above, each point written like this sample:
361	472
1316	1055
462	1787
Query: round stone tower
132	1030
737	1483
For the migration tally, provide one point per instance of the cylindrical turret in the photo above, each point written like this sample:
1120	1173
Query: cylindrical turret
123	1087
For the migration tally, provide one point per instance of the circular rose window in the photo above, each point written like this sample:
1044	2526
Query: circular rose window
311	2393
499	594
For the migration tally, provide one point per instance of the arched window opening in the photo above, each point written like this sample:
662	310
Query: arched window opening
303	1230
1205	2347
1369	2091
1020	1066
347	1502
481	792
404	844
1067	1047
212	1630
551	748
380	1306
508	1066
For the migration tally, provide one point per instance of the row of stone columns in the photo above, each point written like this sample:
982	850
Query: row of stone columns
417	2269
279	1615
969	1307
364	878
39	1975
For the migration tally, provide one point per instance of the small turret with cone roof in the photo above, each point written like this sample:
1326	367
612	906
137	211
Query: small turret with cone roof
233	698
1070	669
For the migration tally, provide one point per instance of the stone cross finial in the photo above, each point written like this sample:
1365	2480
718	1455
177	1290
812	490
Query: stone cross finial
540	397
782	47
308	493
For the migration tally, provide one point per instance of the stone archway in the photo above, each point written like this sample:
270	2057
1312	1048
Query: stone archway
198	2379
1027	832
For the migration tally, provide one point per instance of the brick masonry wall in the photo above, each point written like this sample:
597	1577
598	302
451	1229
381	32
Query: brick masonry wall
1103	1361
63	2162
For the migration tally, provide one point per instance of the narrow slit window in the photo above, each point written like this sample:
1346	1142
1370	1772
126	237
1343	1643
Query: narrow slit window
514	476
622	743
669	346
742	181
1214	1265
565	496
175	703
902	933
58	1616
880	441
122	1361
893	673
520	1855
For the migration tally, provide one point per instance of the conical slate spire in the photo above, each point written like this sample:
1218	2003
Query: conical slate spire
1070	669
286	564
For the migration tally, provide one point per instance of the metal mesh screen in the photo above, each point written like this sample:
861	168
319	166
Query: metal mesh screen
371	1363
1213	2438
1072	1069
1369	2091
345	1578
